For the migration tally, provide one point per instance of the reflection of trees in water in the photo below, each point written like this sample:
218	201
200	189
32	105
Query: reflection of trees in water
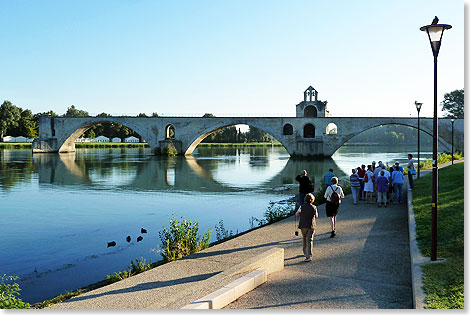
13	173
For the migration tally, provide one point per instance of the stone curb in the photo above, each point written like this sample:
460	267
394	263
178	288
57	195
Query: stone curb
416	258
269	262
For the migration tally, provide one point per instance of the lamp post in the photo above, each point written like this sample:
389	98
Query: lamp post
434	32
452	121
418	108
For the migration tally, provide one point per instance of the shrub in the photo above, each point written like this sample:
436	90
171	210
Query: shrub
182	239
9	294
221	233
276	212
441	159
134	268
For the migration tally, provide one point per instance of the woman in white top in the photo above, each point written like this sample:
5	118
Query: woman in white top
331	206
369	185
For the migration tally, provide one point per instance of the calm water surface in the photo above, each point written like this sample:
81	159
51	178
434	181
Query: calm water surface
59	211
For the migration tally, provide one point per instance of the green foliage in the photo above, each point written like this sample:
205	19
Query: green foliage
441	159
182	239
443	282
392	135
9	293
133	269
221	233
453	104
276	212
72	111
9	118
232	135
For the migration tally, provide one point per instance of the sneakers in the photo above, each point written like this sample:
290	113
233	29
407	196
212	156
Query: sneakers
308	260
333	233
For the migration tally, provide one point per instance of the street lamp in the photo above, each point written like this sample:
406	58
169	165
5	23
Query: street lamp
418	108
452	121
435	32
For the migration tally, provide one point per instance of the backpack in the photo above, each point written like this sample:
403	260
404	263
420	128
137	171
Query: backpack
334	198
366	178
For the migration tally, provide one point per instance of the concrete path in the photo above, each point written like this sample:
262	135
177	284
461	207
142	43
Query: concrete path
367	265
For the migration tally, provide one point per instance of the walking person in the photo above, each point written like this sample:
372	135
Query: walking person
398	181
361	171
382	189
333	195
369	184
411	171
355	185
307	212
305	187
327	178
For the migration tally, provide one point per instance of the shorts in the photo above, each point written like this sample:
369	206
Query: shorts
331	209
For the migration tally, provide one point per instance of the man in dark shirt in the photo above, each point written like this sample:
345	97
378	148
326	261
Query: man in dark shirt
305	187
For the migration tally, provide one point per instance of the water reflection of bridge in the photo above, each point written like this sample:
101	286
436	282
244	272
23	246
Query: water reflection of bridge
153	173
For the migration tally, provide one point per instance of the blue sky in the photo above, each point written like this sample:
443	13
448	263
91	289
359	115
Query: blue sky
227	57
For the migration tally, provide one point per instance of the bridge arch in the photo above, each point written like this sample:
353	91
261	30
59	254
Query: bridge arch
349	136
170	131
194	142
77	127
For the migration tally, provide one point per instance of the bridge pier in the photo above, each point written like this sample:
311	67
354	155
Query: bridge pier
45	145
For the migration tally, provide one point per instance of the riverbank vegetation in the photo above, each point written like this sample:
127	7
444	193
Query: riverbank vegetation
444	281
182	238
9	292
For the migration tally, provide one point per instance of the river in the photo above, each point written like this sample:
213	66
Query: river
59	211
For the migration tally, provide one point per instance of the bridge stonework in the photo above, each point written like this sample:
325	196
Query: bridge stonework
301	136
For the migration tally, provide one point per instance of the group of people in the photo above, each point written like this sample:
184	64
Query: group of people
308	212
374	184
377	183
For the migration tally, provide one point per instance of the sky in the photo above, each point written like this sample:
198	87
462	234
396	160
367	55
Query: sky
229	58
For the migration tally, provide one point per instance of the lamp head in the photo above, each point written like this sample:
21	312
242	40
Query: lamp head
435	32
418	106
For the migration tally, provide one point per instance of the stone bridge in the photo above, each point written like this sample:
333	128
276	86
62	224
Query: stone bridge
312	133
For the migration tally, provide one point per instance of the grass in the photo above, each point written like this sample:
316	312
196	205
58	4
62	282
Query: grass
15	145
443	282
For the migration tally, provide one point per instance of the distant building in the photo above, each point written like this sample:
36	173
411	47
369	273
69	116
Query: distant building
8	139
21	139
116	139
101	139
131	139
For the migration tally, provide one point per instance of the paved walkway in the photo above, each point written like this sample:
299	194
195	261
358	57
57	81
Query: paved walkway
366	266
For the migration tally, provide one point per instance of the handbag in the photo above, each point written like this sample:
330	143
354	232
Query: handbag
412	171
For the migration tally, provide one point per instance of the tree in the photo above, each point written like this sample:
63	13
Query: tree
208	115
27	126
9	117
154	114
74	112
142	115
453	104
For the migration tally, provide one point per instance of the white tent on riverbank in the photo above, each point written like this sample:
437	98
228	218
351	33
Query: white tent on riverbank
131	139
